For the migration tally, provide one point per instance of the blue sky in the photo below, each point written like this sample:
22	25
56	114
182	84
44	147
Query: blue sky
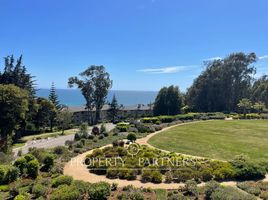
144	44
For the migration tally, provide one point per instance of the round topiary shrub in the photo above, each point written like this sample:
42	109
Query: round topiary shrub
132	137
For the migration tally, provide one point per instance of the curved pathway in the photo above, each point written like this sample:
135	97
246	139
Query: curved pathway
78	170
53	142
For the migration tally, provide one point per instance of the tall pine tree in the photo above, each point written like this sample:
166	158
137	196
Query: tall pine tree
53	97
114	109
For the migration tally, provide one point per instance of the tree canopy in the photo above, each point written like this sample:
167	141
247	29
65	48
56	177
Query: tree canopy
168	101
260	90
222	84
16	73
94	84
13	108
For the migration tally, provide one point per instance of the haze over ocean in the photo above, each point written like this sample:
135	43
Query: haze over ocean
72	97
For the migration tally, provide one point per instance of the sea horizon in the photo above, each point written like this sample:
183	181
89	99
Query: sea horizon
73	97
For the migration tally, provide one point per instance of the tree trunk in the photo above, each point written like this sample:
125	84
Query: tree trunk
97	115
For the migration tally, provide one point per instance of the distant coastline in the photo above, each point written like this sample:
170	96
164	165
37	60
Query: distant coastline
73	97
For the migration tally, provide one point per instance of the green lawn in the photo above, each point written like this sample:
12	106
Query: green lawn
217	139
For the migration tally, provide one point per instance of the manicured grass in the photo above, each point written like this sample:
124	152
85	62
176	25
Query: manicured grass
217	139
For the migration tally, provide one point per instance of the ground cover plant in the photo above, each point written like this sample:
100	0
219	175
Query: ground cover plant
217	139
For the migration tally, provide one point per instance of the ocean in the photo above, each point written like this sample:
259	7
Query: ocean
72	97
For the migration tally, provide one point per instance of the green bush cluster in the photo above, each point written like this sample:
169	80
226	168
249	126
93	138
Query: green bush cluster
150	175
184	117
8	174
249	116
28	165
246	169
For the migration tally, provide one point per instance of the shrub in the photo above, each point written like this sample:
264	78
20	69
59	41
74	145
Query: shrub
33	168
65	192
103	129
8	174
153	120
122	127
146	176
168	177
90	137
210	188
99	191
263	185
39	190
250	187
156	177
176	196
254	190
264	195
95	131
81	186
29	157
24	196
246	170
191	188
135	195
62	180
12	173
189	116
20	187
166	119
60	150
132	137
222	170
112	173
142	128
101	137
4	188
226	193
2	175
206	175
182	175
21	164
114	187
48	162
77	136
